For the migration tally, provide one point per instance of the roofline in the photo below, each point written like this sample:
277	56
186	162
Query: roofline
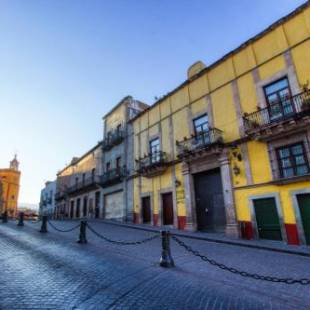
280	21
117	106
80	158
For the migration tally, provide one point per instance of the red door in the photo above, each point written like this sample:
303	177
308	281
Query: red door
167	209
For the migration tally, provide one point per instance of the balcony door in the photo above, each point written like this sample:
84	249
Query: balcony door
201	128
278	97
154	151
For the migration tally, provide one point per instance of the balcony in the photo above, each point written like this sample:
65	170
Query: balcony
60	195
113	176
210	141
86	185
113	138
293	112
152	164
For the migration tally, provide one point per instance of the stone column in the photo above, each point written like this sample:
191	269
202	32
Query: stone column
191	222
232	227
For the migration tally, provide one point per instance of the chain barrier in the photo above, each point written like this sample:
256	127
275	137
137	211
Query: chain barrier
236	271
62	230
121	242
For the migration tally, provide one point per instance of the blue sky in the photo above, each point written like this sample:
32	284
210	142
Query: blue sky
65	63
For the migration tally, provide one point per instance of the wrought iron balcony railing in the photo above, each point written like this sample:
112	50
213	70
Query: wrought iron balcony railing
152	164
59	195
113	176
89	182
200	141
287	108
113	138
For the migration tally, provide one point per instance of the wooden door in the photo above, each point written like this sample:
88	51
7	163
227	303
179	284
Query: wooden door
210	208
267	219
146	210
167	209
304	208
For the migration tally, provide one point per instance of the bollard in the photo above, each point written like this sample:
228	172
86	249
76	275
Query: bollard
5	217
44	224
166	259
82	236
21	219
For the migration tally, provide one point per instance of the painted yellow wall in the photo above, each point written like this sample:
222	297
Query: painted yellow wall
264	54
242	197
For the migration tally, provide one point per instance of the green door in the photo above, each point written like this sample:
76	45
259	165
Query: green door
304	207
267	219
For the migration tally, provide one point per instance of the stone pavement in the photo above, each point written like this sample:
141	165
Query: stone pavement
52	271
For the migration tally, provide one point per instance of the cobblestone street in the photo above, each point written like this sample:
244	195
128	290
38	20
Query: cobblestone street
52	271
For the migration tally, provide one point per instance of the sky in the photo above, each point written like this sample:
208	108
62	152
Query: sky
65	63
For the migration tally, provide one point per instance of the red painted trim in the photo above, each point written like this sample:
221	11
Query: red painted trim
181	222
246	228
136	218
155	219
292	234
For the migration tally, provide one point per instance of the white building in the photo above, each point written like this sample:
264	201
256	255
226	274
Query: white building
47	200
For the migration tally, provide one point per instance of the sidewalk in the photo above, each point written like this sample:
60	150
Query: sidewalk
268	245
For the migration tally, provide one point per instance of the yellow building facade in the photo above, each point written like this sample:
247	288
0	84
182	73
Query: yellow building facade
228	150
10	184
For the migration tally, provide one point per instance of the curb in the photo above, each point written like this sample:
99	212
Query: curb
214	240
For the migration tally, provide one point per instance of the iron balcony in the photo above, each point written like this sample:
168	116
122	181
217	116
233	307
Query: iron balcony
113	176
85	185
113	138
152	164
201	141
288	108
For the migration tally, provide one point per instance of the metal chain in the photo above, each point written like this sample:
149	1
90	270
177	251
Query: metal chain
236	271
63	230
121	242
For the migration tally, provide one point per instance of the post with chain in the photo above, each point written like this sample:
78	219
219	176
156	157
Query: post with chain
21	219
44	224
166	259
82	236
5	217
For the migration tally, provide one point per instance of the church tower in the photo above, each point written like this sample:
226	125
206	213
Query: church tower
14	163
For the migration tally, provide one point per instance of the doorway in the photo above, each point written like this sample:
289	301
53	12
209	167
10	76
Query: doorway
78	205
167	209
210	207
97	205
85	206
304	209
267	218
146	210
72	209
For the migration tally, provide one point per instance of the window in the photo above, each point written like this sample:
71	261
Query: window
201	124
201	127
118	162
118	128
278	98
155	150
93	171
83	178
108	166
292	160
76	180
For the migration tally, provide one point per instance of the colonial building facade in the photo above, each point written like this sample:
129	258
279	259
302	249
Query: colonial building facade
117	160
47	199
229	149
9	188
78	191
